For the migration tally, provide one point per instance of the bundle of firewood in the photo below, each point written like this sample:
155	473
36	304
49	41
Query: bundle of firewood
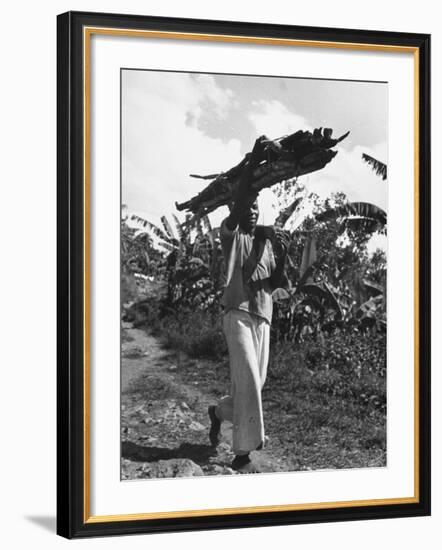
273	161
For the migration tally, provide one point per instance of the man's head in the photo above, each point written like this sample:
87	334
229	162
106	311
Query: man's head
249	218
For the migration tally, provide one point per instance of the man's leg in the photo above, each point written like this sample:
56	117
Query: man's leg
217	415
261	337
248	355
263	359
215	426
263	349
243	342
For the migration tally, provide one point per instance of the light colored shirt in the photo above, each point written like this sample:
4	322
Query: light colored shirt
249	263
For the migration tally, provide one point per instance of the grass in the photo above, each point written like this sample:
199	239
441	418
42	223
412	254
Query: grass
197	333
336	408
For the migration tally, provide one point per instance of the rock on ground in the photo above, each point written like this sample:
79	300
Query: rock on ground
175	467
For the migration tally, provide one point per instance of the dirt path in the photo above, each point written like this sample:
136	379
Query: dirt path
164	420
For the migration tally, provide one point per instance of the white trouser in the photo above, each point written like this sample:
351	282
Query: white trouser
248	343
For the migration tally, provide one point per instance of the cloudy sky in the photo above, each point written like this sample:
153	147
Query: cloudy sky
175	124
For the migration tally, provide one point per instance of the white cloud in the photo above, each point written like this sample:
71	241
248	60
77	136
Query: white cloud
273	119
160	144
211	94
349	174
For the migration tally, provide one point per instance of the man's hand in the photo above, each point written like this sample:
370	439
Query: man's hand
282	242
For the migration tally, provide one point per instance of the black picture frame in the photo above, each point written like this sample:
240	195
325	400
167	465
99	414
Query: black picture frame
72	520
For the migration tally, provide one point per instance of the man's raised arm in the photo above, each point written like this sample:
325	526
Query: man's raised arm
281	245
245	196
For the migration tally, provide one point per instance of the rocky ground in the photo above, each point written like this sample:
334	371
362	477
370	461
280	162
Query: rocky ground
164	419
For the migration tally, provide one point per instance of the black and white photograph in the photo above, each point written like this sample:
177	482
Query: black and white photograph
253	274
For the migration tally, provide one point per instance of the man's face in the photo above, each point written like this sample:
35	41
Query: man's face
249	218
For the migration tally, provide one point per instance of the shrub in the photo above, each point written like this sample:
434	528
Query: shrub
197	333
129	289
347	367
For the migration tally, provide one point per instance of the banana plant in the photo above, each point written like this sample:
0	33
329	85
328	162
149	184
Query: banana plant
304	307
138	254
379	167
193	265
329	291
357	216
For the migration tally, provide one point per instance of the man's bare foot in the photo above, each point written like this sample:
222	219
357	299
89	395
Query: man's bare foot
243	465
249	468
215	426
